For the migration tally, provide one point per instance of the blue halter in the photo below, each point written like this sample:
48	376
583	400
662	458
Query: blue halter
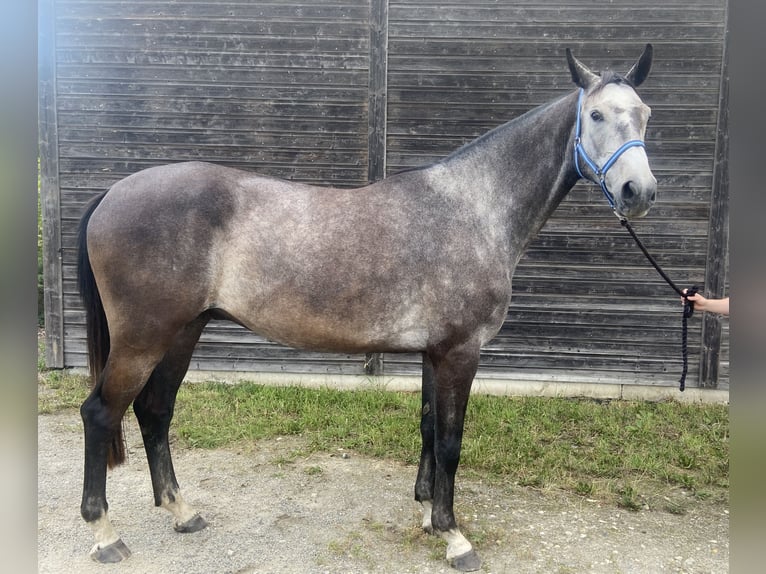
600	172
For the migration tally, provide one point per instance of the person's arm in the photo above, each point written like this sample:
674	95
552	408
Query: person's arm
701	303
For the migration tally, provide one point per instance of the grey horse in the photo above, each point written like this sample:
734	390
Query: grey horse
421	261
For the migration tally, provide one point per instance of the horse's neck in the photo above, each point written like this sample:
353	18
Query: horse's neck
522	170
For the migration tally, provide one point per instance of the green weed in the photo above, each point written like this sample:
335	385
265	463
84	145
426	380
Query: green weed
60	391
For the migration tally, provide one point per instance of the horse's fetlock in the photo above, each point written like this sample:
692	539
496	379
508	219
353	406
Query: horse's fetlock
442	521
422	495
168	497
92	511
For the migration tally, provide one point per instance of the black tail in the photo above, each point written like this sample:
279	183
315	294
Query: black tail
97	328
95	319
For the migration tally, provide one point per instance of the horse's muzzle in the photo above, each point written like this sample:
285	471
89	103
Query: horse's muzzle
636	198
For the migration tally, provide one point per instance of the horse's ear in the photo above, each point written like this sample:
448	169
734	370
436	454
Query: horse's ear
581	75
640	69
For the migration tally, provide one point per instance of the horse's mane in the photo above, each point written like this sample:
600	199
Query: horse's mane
418	167
607	77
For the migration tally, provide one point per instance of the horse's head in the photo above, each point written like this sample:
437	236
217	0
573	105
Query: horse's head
612	123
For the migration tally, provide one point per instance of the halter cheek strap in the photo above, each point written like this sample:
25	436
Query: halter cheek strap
580	153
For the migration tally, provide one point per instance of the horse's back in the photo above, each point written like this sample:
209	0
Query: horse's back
173	189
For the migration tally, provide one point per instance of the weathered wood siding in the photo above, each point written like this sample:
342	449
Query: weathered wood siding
341	92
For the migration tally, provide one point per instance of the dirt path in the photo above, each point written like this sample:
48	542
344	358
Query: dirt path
346	514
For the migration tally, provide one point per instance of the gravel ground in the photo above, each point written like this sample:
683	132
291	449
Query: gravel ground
270	511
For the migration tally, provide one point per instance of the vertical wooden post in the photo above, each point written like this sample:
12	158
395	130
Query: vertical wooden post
376	131
49	187
718	238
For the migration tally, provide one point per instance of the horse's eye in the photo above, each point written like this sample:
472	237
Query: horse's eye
596	116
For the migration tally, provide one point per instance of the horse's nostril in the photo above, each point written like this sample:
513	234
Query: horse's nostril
627	191
654	196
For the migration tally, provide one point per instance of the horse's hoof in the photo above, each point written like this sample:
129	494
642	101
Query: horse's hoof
115	552
468	562
194	524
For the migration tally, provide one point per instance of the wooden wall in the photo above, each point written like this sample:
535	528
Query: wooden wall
343	92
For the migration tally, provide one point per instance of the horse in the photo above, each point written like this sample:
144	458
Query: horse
420	261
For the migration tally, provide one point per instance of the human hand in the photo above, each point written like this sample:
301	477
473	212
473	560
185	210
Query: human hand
701	303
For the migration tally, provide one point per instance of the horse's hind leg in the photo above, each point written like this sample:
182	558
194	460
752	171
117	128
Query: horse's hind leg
154	408
124	374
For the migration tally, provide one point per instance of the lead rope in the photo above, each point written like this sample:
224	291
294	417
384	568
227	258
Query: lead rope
688	305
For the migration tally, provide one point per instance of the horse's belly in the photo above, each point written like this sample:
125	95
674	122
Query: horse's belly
409	324
353	329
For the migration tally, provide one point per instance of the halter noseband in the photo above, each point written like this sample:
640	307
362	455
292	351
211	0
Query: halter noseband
600	172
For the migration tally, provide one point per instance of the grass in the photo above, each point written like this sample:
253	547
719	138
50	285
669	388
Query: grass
635	455
59	391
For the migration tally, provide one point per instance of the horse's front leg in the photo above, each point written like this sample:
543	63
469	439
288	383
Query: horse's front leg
424	485
453	376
